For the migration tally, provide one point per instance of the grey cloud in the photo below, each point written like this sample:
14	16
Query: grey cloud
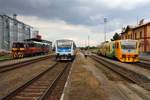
70	11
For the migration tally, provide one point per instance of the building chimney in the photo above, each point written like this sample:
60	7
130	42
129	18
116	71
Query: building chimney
14	16
141	21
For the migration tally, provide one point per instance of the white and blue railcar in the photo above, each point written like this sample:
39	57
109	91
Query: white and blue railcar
65	49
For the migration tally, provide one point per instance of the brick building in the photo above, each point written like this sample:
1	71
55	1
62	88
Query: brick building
141	33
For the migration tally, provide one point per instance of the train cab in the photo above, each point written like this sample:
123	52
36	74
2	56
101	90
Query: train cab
18	49
127	50
65	49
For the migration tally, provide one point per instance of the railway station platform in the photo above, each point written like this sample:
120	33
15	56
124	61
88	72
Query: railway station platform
15	61
81	83
145	56
87	81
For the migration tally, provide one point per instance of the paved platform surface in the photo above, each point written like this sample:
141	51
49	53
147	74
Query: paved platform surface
82	85
14	61
145	56
88	82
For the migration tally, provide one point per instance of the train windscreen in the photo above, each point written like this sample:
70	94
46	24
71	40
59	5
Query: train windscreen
64	44
18	45
128	44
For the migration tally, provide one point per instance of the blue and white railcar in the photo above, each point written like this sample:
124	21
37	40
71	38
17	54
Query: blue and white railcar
65	49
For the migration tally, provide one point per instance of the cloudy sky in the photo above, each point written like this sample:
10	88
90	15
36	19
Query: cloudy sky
77	19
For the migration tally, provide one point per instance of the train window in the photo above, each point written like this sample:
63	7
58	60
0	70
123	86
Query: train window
61	44
25	45
113	46
32	45
18	45
117	45
36	45
74	46
129	45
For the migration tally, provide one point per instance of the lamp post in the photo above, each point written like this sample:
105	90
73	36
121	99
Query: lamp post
88	42
105	23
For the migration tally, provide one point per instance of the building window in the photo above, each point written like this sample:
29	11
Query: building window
134	35
141	35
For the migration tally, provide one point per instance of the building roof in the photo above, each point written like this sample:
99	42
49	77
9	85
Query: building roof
148	23
129	27
15	20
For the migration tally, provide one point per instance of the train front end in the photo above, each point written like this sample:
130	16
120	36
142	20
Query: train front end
64	50
129	51
17	50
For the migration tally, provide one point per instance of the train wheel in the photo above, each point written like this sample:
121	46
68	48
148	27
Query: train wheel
22	55
14	56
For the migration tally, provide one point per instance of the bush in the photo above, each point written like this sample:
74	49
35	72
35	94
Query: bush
3	53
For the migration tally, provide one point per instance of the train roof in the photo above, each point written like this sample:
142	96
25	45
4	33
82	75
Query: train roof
30	42
38	40
64	40
108	42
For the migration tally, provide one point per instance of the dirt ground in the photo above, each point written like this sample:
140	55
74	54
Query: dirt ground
89	80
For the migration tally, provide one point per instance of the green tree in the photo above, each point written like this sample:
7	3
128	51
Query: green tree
116	37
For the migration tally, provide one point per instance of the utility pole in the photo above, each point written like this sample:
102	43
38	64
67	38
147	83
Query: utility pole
137	20
88	42
105	23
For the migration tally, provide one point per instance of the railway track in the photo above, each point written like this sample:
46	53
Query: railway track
12	59
144	59
20	64
131	75
42	86
143	64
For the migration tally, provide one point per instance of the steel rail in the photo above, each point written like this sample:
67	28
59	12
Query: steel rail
13	93
133	76
50	86
9	67
143	64
54	83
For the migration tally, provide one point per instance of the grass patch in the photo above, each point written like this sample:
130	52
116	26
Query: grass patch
5	57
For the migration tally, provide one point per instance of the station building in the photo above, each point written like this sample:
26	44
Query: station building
12	30
141	33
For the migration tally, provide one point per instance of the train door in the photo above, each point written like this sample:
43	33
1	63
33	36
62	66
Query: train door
117	49
112	49
27	53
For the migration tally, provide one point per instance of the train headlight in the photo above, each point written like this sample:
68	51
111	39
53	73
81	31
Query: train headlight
123	56
22	49
57	54
136	56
